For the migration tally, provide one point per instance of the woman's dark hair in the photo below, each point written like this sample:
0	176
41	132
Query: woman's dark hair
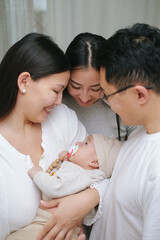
82	51
35	53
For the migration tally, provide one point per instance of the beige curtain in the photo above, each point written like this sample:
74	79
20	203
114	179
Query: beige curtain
16	20
67	18
64	19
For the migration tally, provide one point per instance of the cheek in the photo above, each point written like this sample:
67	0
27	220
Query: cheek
122	109
94	95
48	98
113	104
117	106
72	91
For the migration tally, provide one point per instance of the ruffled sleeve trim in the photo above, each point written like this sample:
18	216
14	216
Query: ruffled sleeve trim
96	213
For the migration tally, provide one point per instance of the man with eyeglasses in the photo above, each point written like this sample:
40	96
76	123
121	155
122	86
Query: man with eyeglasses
130	82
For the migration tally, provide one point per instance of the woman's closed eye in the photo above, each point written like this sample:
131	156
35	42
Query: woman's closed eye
56	91
74	86
95	90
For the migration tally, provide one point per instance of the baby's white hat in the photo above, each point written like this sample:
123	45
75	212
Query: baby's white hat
107	150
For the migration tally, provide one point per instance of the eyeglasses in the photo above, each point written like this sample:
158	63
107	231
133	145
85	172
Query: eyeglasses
104	96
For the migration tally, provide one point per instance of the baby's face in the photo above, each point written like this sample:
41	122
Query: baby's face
85	153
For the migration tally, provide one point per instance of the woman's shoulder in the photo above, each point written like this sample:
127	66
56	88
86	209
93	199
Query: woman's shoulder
63	122
62	117
61	112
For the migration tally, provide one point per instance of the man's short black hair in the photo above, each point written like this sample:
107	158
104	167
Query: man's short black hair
132	55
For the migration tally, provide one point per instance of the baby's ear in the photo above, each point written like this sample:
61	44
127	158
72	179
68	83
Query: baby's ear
94	163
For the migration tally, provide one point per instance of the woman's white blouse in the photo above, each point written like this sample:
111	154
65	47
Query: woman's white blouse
19	197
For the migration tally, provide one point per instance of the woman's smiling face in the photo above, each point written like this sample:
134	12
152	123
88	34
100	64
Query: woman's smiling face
41	95
84	86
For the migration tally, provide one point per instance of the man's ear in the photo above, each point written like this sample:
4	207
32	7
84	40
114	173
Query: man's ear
94	163
22	80
142	93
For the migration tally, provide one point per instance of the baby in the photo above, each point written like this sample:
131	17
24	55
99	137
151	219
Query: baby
83	165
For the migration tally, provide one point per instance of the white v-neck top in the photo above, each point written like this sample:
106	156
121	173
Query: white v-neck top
19	197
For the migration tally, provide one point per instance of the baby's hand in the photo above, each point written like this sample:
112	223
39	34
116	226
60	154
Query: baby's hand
63	155
32	172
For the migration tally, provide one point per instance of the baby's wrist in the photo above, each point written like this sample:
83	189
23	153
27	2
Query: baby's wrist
33	171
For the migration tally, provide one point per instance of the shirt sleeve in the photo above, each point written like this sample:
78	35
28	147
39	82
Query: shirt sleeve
151	212
51	186
4	222
69	179
95	214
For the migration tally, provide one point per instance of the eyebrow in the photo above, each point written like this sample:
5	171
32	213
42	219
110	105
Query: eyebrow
96	85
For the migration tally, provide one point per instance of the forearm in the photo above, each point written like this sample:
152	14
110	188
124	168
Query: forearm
69	214
89	199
